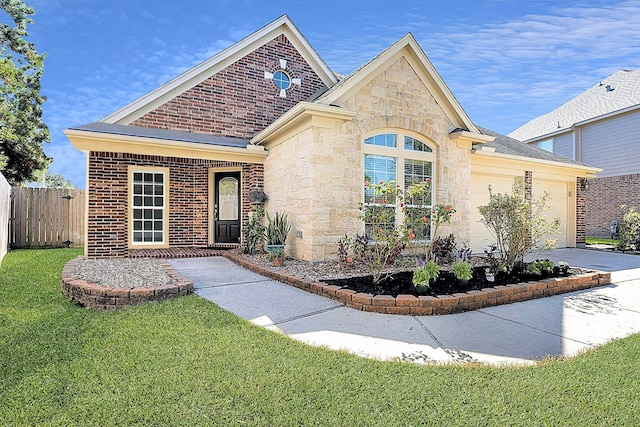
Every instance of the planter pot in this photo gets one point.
(422, 289)
(273, 248)
(464, 284)
(278, 262)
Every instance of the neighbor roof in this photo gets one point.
(163, 134)
(618, 92)
(506, 145)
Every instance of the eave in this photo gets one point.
(88, 141)
(314, 114)
(472, 137)
(588, 171)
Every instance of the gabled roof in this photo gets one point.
(617, 93)
(503, 144)
(408, 47)
(211, 66)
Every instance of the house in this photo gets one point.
(599, 127)
(174, 168)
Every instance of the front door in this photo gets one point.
(227, 207)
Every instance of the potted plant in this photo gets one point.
(276, 256)
(276, 231)
(462, 271)
(424, 276)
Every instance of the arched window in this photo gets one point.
(408, 163)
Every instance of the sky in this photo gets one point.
(506, 61)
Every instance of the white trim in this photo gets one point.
(218, 62)
(587, 169)
(299, 112)
(165, 171)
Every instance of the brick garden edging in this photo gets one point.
(429, 305)
(99, 297)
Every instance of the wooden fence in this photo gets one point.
(46, 218)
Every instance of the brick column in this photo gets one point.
(581, 212)
(528, 196)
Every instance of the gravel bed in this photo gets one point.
(147, 272)
(123, 272)
(325, 270)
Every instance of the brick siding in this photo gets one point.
(581, 212)
(188, 199)
(603, 199)
(238, 101)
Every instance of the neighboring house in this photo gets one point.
(174, 168)
(599, 127)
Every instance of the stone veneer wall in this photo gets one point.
(323, 199)
(397, 98)
(318, 185)
(238, 101)
(188, 199)
(603, 198)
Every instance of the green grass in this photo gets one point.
(187, 362)
(601, 241)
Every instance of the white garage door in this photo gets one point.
(558, 203)
(480, 236)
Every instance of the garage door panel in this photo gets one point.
(558, 205)
(481, 237)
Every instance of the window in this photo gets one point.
(148, 207)
(384, 140)
(415, 145)
(418, 209)
(377, 169)
(547, 145)
(282, 80)
(382, 158)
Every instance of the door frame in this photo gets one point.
(212, 199)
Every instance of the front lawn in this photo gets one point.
(601, 241)
(187, 362)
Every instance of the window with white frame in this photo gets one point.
(148, 207)
(408, 163)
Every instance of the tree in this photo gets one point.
(22, 130)
(46, 179)
(519, 225)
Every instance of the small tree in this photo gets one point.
(383, 240)
(517, 224)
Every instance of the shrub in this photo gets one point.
(254, 230)
(461, 269)
(519, 225)
(426, 273)
(444, 248)
(277, 229)
(630, 229)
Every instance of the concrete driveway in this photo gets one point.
(521, 333)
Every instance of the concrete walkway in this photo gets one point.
(520, 333)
